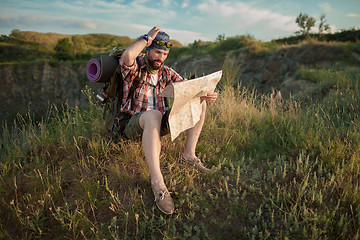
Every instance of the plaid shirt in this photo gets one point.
(139, 101)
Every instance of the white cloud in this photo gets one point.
(280, 22)
(21, 21)
(226, 9)
(353, 15)
(185, 4)
(185, 37)
(29, 21)
(326, 7)
(165, 3)
(244, 15)
(79, 24)
(140, 27)
(3, 17)
(333, 28)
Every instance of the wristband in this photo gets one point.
(147, 38)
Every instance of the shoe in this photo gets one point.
(196, 162)
(164, 201)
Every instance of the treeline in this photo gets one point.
(24, 46)
(351, 35)
(27, 46)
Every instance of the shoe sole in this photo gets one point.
(167, 213)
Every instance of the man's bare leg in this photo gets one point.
(193, 135)
(150, 122)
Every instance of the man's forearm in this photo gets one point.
(135, 48)
(133, 51)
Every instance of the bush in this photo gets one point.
(64, 49)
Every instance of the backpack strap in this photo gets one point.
(138, 81)
(118, 97)
(164, 78)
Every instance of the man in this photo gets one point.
(148, 109)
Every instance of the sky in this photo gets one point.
(184, 20)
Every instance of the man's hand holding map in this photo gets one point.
(186, 109)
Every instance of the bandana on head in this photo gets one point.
(161, 36)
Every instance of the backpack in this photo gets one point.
(107, 70)
(112, 93)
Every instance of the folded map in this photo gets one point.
(186, 108)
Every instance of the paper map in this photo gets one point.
(186, 109)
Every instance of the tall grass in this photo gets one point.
(281, 170)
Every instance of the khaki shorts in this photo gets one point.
(133, 131)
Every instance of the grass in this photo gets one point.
(282, 170)
(221, 48)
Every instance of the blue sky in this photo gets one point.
(185, 20)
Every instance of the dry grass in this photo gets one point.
(281, 171)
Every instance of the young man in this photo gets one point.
(148, 110)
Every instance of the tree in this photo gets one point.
(64, 49)
(196, 43)
(322, 26)
(305, 23)
(220, 37)
(113, 44)
(15, 32)
(79, 45)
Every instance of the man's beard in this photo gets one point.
(153, 65)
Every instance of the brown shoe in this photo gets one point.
(196, 162)
(164, 201)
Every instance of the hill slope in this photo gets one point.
(22, 46)
(281, 170)
(38, 84)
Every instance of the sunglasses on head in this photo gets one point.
(163, 43)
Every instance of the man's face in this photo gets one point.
(156, 58)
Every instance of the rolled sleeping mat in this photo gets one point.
(101, 69)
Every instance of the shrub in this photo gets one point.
(64, 49)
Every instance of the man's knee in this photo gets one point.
(150, 118)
